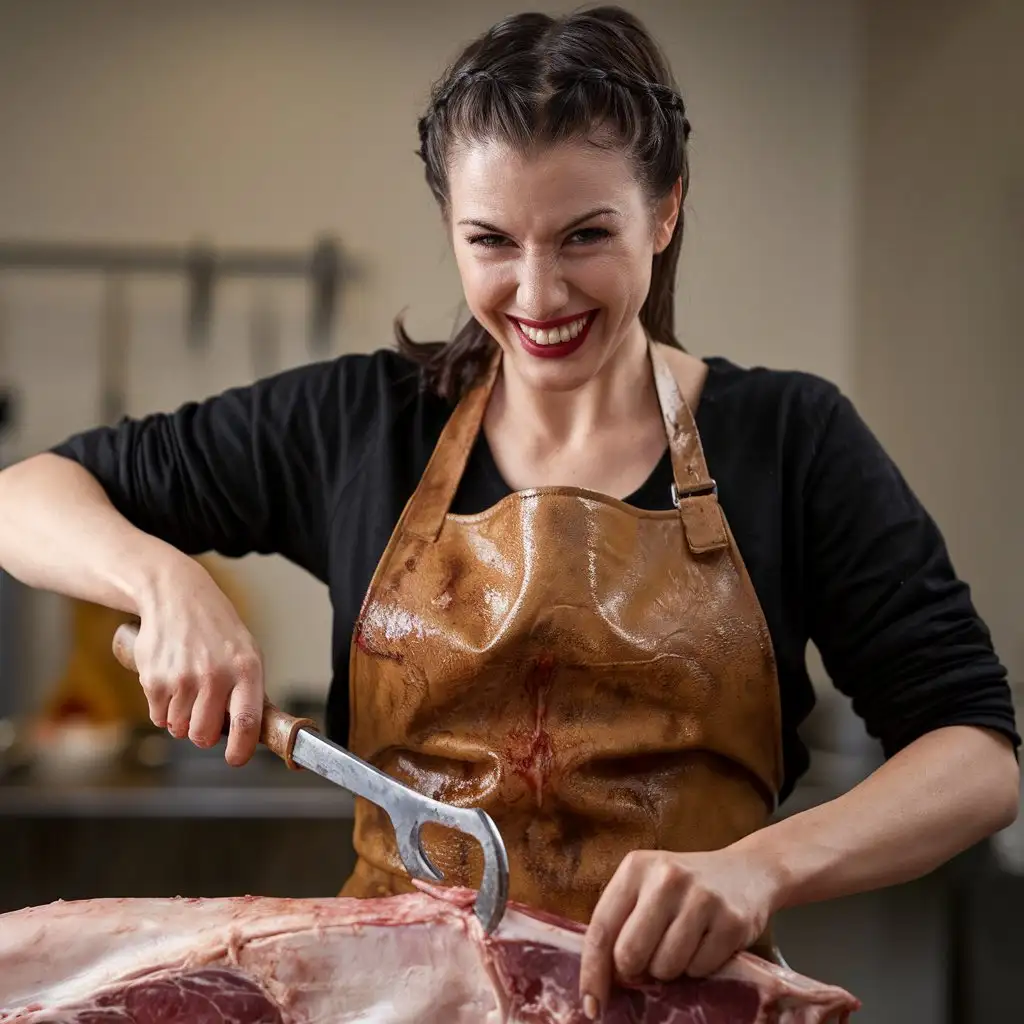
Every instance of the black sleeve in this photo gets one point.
(896, 628)
(254, 469)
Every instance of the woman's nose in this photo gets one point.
(543, 292)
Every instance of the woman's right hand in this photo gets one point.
(196, 660)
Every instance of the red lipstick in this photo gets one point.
(560, 349)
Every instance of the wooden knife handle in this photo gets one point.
(277, 727)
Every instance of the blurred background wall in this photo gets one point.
(857, 211)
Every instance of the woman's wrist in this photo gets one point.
(158, 575)
(786, 862)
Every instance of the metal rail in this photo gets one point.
(324, 265)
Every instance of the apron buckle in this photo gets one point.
(711, 487)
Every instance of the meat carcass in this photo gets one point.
(420, 958)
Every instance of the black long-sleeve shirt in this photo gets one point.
(316, 464)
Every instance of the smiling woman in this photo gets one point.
(574, 569)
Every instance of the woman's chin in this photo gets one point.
(553, 375)
(553, 371)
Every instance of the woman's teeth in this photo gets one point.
(553, 335)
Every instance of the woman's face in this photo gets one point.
(554, 250)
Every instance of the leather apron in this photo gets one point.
(597, 677)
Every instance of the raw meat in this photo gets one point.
(419, 958)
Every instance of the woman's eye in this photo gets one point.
(586, 235)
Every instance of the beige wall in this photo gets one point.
(264, 123)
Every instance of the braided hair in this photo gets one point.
(536, 80)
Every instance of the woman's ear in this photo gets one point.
(666, 215)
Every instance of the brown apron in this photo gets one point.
(597, 677)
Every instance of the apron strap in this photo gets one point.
(694, 492)
(429, 504)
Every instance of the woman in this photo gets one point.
(573, 568)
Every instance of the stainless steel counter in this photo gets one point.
(201, 786)
(208, 789)
(174, 800)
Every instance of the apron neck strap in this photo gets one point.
(425, 512)
(689, 468)
(431, 500)
(694, 493)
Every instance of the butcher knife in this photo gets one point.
(300, 745)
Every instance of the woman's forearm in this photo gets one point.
(60, 532)
(940, 795)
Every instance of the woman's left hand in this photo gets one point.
(666, 914)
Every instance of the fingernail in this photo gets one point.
(590, 1007)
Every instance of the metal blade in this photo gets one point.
(409, 811)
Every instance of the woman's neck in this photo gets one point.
(621, 394)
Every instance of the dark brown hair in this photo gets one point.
(533, 80)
